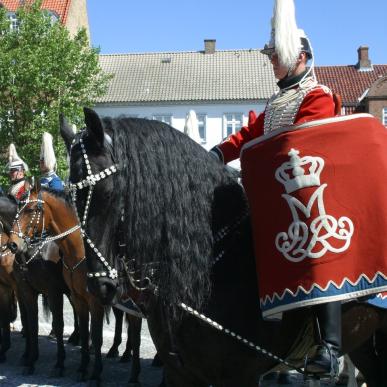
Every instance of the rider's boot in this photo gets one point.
(325, 359)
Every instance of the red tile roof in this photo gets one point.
(61, 7)
(348, 81)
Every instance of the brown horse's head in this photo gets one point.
(7, 258)
(30, 219)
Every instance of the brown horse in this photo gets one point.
(190, 237)
(31, 278)
(8, 308)
(54, 210)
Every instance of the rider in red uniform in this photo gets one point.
(300, 99)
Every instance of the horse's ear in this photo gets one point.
(94, 126)
(66, 131)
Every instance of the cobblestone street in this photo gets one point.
(115, 374)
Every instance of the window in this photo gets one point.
(53, 16)
(202, 122)
(13, 20)
(166, 118)
(384, 116)
(232, 123)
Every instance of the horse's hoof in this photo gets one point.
(57, 372)
(112, 353)
(126, 357)
(29, 370)
(73, 339)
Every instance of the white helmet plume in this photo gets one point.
(191, 127)
(287, 36)
(47, 154)
(14, 161)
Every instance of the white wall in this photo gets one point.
(215, 115)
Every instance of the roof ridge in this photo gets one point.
(178, 52)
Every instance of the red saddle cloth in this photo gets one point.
(317, 195)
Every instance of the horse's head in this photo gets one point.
(92, 165)
(7, 258)
(29, 219)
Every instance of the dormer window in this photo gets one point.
(14, 26)
(53, 16)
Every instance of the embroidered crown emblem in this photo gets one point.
(299, 172)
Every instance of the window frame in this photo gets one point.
(203, 139)
(13, 21)
(384, 116)
(236, 124)
(162, 118)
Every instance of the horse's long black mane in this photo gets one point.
(171, 189)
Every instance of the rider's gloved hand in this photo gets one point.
(216, 154)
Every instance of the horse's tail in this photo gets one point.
(46, 307)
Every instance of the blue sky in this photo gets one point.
(336, 28)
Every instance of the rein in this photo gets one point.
(43, 240)
(89, 182)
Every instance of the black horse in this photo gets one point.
(188, 242)
(37, 277)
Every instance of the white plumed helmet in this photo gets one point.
(14, 161)
(47, 154)
(287, 40)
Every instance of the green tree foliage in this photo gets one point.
(43, 71)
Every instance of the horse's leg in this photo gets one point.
(381, 351)
(97, 315)
(127, 355)
(55, 299)
(367, 361)
(30, 299)
(119, 316)
(25, 328)
(82, 310)
(74, 337)
(134, 336)
(5, 339)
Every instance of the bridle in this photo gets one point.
(34, 223)
(89, 182)
(4, 251)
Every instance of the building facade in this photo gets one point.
(71, 13)
(222, 86)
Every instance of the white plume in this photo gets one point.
(191, 127)
(14, 159)
(287, 35)
(47, 153)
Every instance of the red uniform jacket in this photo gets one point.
(317, 104)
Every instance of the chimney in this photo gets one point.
(209, 46)
(364, 63)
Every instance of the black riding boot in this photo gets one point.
(328, 321)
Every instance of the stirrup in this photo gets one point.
(333, 374)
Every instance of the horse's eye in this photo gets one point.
(29, 210)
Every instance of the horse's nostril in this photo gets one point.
(13, 247)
